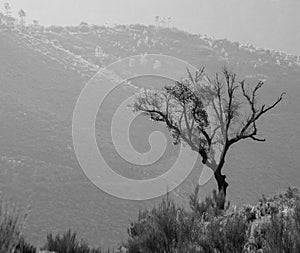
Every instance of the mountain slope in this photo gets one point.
(42, 72)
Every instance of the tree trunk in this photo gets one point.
(222, 186)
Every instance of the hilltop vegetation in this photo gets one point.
(270, 226)
(43, 70)
(273, 225)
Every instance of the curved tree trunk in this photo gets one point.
(220, 178)
(222, 186)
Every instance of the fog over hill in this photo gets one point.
(42, 72)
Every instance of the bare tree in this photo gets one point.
(210, 115)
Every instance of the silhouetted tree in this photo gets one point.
(184, 107)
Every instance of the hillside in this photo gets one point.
(42, 73)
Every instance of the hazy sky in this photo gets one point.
(264, 23)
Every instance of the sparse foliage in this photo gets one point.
(233, 115)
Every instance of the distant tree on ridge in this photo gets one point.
(22, 16)
(7, 9)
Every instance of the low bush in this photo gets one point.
(24, 247)
(69, 243)
(168, 228)
(225, 234)
(210, 207)
(271, 226)
(281, 232)
(158, 230)
(11, 224)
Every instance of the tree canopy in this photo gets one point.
(208, 114)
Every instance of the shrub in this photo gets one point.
(280, 234)
(226, 234)
(68, 243)
(158, 230)
(168, 228)
(11, 223)
(211, 206)
(24, 247)
(275, 235)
